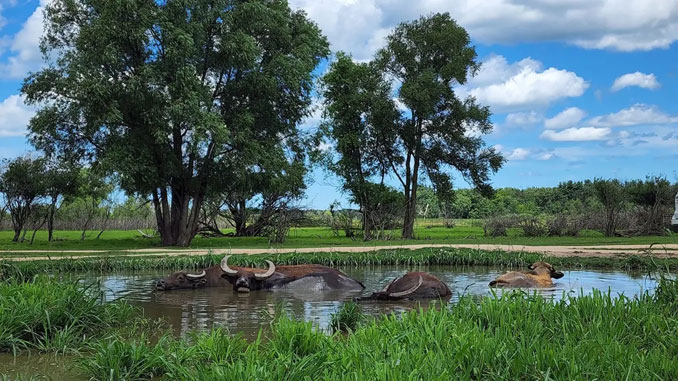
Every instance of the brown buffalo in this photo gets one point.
(540, 275)
(245, 279)
(414, 285)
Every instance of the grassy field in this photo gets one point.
(116, 240)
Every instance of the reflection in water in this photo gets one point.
(188, 310)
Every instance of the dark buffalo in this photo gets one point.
(540, 275)
(245, 279)
(414, 285)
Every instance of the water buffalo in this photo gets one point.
(413, 285)
(540, 275)
(316, 277)
(245, 279)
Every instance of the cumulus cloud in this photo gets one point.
(14, 116)
(577, 134)
(523, 119)
(521, 85)
(359, 26)
(646, 81)
(518, 154)
(566, 118)
(635, 115)
(25, 55)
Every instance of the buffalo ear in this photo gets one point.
(530, 267)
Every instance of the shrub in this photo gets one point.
(498, 226)
(532, 226)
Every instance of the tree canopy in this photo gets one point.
(174, 97)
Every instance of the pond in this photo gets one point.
(202, 309)
(188, 310)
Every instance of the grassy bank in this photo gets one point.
(439, 256)
(50, 316)
(316, 237)
(510, 337)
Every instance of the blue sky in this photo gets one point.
(578, 88)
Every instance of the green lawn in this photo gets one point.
(116, 240)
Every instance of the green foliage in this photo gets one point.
(22, 182)
(349, 317)
(48, 315)
(514, 336)
(175, 97)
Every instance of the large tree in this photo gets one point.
(360, 120)
(438, 131)
(171, 95)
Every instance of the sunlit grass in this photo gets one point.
(513, 336)
(117, 240)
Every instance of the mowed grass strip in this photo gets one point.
(119, 240)
(514, 336)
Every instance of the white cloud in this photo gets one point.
(523, 119)
(646, 81)
(518, 154)
(634, 115)
(522, 85)
(359, 26)
(14, 116)
(565, 119)
(546, 156)
(25, 47)
(576, 134)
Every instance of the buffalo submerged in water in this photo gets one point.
(413, 285)
(540, 275)
(245, 279)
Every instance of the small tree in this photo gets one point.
(611, 195)
(61, 180)
(437, 131)
(23, 183)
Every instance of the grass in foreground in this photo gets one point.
(51, 316)
(118, 240)
(515, 336)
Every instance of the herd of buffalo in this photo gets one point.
(413, 285)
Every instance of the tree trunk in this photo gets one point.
(177, 224)
(103, 227)
(50, 220)
(411, 202)
(17, 234)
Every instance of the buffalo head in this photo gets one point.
(246, 280)
(543, 268)
(181, 280)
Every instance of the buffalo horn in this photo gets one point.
(225, 268)
(267, 274)
(196, 276)
(407, 292)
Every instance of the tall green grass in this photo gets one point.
(48, 316)
(438, 256)
(513, 336)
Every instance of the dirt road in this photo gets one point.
(663, 251)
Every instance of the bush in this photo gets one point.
(562, 225)
(532, 226)
(498, 226)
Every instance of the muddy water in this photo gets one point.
(190, 310)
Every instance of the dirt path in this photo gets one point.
(662, 251)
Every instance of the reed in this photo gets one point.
(439, 256)
(51, 316)
(513, 336)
